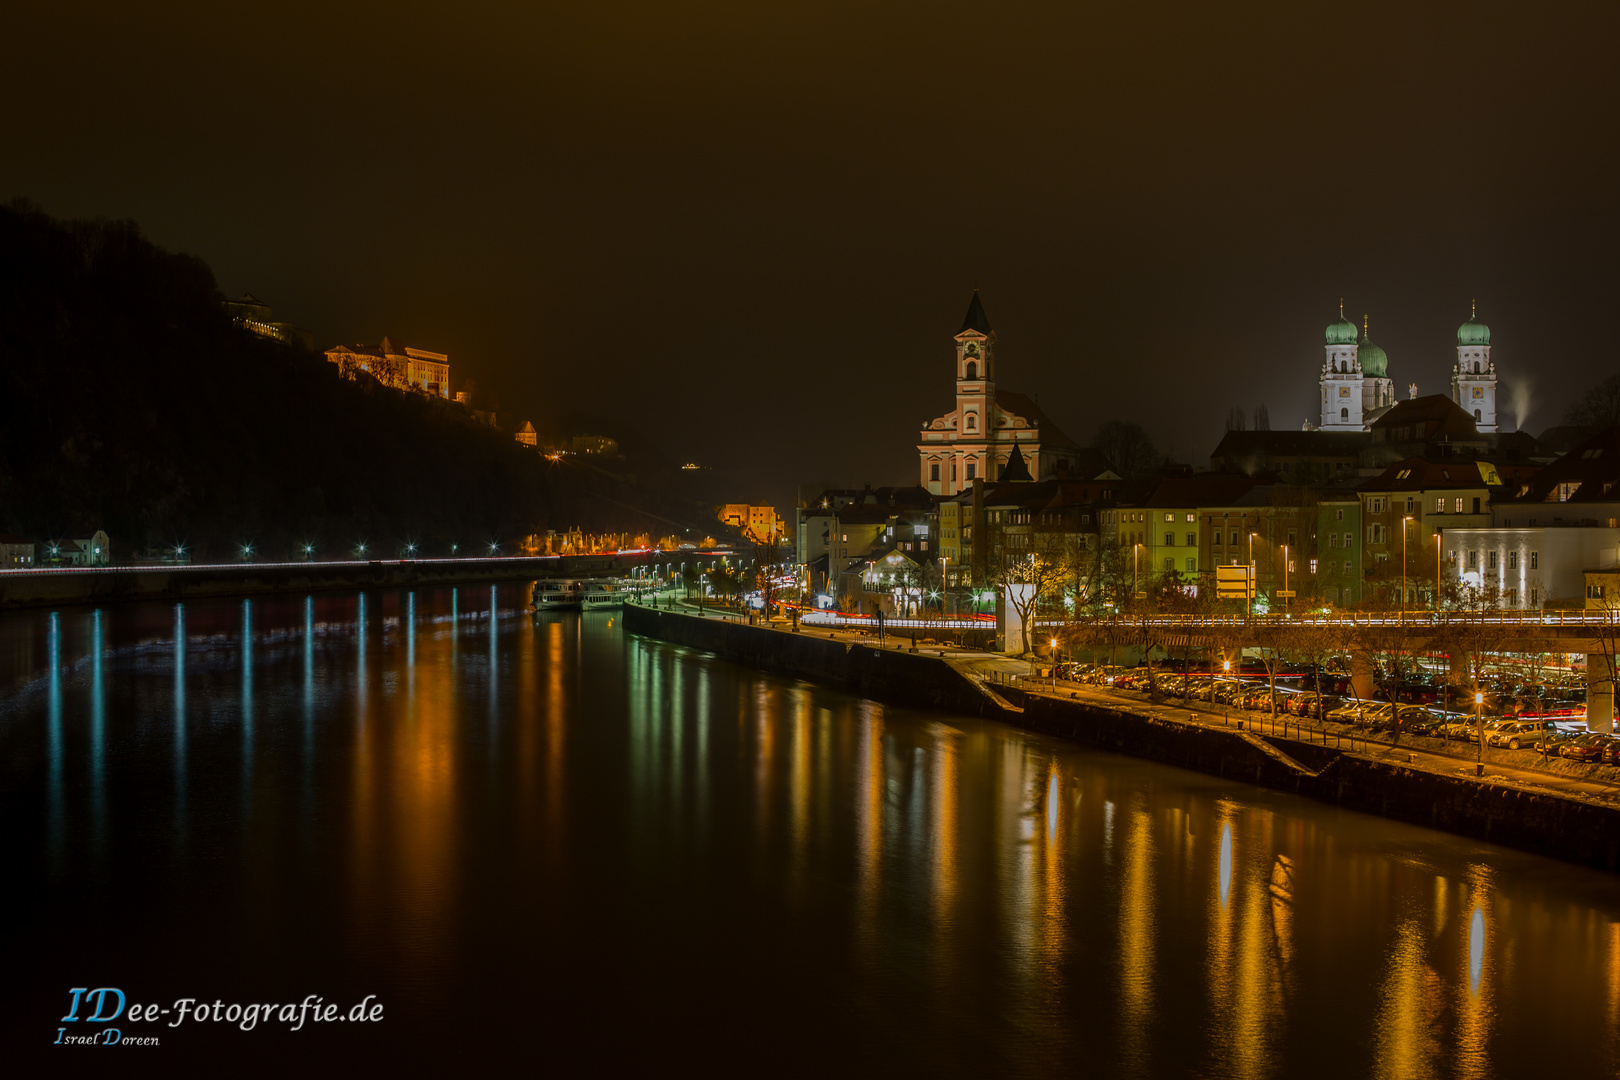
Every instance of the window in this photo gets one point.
(1473, 560)
(972, 370)
(1291, 538)
(1476, 504)
(933, 472)
(1333, 540)
(1192, 539)
(1440, 505)
(1192, 566)
(1338, 515)
(1348, 537)
(1459, 506)
(1344, 414)
(1513, 560)
(1234, 537)
(1409, 504)
(1491, 560)
(972, 422)
(1594, 592)
(1313, 566)
(1535, 560)
(1293, 567)
(1169, 517)
(972, 468)
(1169, 539)
(953, 472)
(1192, 519)
(1375, 534)
(1169, 566)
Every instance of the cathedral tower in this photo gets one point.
(1473, 379)
(1342, 379)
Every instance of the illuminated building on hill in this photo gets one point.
(395, 365)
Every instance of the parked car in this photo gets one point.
(1516, 734)
(1430, 724)
(1552, 743)
(1587, 747)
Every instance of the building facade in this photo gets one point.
(395, 365)
(1473, 377)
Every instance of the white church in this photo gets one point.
(1357, 389)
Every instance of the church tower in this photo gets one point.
(1473, 379)
(1342, 379)
(976, 372)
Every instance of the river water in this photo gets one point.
(545, 842)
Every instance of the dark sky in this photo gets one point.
(751, 229)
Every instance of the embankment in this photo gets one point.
(1572, 829)
(896, 677)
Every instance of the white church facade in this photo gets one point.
(1356, 388)
(991, 434)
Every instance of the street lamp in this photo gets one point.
(1286, 594)
(1226, 712)
(309, 551)
(1248, 600)
(1437, 571)
(1479, 729)
(1404, 522)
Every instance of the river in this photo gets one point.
(545, 842)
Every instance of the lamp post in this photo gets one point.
(1404, 522)
(1286, 594)
(1479, 730)
(1134, 559)
(1437, 572)
(945, 584)
(1248, 599)
(1226, 711)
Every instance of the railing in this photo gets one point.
(1416, 619)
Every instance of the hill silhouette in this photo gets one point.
(129, 400)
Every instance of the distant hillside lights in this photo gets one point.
(395, 365)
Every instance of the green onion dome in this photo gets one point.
(1473, 332)
(1342, 332)
(1374, 361)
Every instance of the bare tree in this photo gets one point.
(1262, 418)
(1127, 447)
(1027, 576)
(1597, 408)
(1234, 419)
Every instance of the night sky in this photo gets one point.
(751, 229)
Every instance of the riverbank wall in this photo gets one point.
(1544, 822)
(888, 675)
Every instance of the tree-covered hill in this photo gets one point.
(129, 400)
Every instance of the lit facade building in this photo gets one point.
(527, 435)
(976, 438)
(253, 314)
(395, 365)
(758, 524)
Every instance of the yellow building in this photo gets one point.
(526, 435)
(759, 524)
(396, 365)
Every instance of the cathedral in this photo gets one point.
(1357, 389)
(993, 434)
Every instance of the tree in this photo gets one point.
(1234, 418)
(1027, 575)
(1262, 418)
(1597, 408)
(1126, 447)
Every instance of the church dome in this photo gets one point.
(1342, 332)
(1374, 361)
(1473, 332)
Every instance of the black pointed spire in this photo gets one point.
(1015, 471)
(976, 319)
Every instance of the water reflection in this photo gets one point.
(98, 740)
(247, 700)
(181, 769)
(562, 806)
(56, 813)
